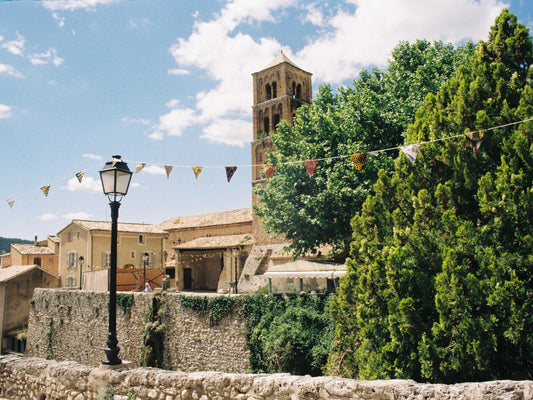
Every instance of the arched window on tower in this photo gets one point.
(274, 90)
(266, 125)
(293, 89)
(268, 90)
(299, 91)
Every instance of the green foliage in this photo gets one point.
(291, 334)
(372, 115)
(106, 392)
(216, 307)
(153, 338)
(439, 284)
(125, 301)
(5, 243)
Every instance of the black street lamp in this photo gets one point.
(115, 178)
(80, 262)
(145, 262)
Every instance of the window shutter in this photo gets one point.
(152, 259)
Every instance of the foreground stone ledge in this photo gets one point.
(36, 378)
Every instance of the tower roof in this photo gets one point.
(282, 58)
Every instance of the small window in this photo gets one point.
(69, 236)
(142, 239)
(77, 235)
(37, 261)
(106, 259)
(132, 254)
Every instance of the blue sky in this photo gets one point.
(168, 82)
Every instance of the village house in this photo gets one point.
(207, 251)
(16, 290)
(85, 255)
(44, 253)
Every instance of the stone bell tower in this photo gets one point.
(279, 89)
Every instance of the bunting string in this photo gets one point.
(475, 139)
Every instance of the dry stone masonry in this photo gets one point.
(38, 379)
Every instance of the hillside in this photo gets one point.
(5, 243)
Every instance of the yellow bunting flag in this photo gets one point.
(268, 169)
(358, 160)
(45, 189)
(197, 171)
(139, 167)
(79, 175)
(11, 202)
(168, 170)
(475, 139)
(310, 166)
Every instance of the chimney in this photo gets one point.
(35, 241)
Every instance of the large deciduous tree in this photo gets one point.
(439, 284)
(371, 115)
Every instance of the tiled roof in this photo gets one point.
(9, 273)
(213, 242)
(28, 249)
(242, 215)
(122, 226)
(280, 59)
(54, 238)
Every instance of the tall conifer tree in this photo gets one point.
(439, 281)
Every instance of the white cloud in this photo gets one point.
(367, 36)
(45, 58)
(47, 217)
(141, 121)
(74, 4)
(228, 131)
(87, 185)
(15, 46)
(60, 20)
(10, 70)
(5, 111)
(178, 71)
(92, 156)
(154, 170)
(313, 15)
(174, 123)
(77, 215)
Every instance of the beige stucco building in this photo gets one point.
(92, 241)
(16, 289)
(43, 253)
(208, 251)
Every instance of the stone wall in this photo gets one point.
(38, 379)
(72, 325)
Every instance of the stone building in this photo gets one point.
(91, 240)
(17, 284)
(207, 251)
(279, 90)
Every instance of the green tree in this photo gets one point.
(371, 115)
(439, 280)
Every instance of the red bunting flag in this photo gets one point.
(475, 139)
(168, 170)
(197, 171)
(268, 169)
(310, 166)
(230, 171)
(358, 160)
(45, 189)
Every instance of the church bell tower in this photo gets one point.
(279, 89)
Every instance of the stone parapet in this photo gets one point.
(36, 379)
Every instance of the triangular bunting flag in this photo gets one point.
(197, 171)
(229, 172)
(11, 202)
(411, 151)
(358, 160)
(79, 175)
(139, 167)
(45, 189)
(268, 169)
(310, 166)
(475, 139)
(168, 169)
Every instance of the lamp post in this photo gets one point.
(145, 257)
(115, 178)
(80, 262)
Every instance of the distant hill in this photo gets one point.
(5, 243)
